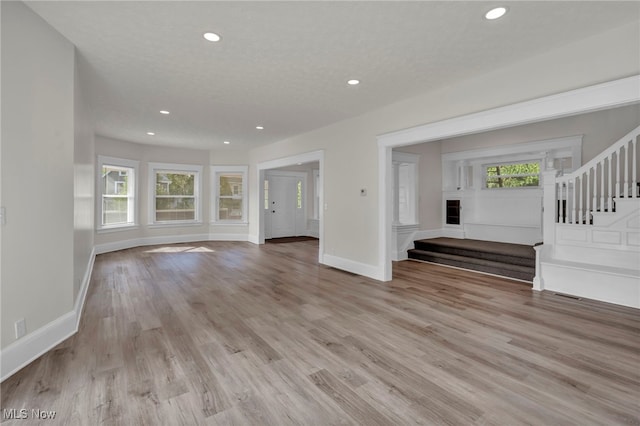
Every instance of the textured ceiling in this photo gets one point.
(284, 65)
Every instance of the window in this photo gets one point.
(229, 185)
(513, 175)
(299, 194)
(175, 193)
(405, 181)
(117, 189)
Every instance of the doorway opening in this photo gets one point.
(291, 200)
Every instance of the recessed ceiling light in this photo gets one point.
(353, 82)
(211, 36)
(226, 142)
(151, 133)
(495, 13)
(165, 112)
(260, 127)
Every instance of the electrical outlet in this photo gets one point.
(21, 328)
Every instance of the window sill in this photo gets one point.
(110, 229)
(228, 223)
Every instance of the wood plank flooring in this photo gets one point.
(220, 333)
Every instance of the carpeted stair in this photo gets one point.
(509, 260)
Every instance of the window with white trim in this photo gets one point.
(229, 198)
(175, 193)
(512, 175)
(117, 189)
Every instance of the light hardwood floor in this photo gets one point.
(233, 333)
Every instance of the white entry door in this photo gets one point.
(285, 209)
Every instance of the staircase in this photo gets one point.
(509, 260)
(591, 228)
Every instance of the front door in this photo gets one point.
(282, 212)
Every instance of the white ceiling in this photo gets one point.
(285, 64)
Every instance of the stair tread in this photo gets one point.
(474, 260)
(504, 249)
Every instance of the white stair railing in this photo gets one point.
(595, 186)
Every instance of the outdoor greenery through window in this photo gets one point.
(230, 196)
(175, 196)
(514, 175)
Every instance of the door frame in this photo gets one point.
(285, 173)
(598, 97)
(308, 157)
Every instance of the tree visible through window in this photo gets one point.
(175, 196)
(230, 196)
(515, 175)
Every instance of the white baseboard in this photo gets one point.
(84, 288)
(23, 351)
(611, 285)
(228, 237)
(27, 349)
(425, 234)
(371, 271)
(253, 239)
(168, 239)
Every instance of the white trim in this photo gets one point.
(23, 351)
(307, 157)
(84, 288)
(27, 349)
(149, 241)
(569, 143)
(371, 271)
(611, 94)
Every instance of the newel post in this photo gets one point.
(549, 214)
(549, 206)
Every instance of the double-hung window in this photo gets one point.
(117, 189)
(229, 198)
(175, 193)
(513, 175)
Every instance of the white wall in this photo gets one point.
(600, 130)
(37, 171)
(429, 185)
(351, 157)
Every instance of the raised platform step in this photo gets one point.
(509, 260)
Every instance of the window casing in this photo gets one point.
(229, 198)
(523, 174)
(117, 188)
(174, 194)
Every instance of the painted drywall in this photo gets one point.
(84, 185)
(600, 130)
(37, 171)
(429, 184)
(146, 154)
(351, 159)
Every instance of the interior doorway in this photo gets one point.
(297, 181)
(285, 204)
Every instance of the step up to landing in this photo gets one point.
(505, 259)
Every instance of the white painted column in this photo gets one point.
(396, 193)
